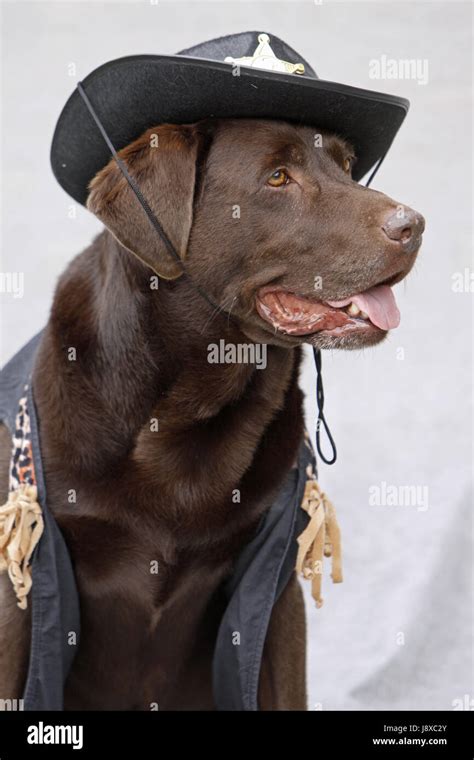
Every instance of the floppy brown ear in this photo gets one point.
(163, 163)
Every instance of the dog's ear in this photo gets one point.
(163, 163)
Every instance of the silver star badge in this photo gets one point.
(265, 58)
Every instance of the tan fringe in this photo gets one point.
(21, 526)
(321, 537)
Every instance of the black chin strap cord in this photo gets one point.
(123, 168)
(143, 201)
(321, 422)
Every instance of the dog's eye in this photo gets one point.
(278, 178)
(348, 164)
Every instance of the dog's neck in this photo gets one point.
(123, 380)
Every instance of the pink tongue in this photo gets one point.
(378, 303)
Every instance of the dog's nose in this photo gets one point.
(405, 226)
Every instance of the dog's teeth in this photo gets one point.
(353, 310)
(363, 315)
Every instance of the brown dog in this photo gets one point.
(260, 215)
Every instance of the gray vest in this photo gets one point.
(260, 574)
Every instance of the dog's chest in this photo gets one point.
(148, 626)
(150, 587)
(152, 545)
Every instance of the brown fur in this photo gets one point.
(141, 355)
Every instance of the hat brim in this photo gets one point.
(135, 93)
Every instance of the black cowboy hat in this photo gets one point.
(247, 75)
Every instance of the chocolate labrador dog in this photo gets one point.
(293, 251)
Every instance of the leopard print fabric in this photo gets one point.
(22, 468)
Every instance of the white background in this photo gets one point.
(403, 421)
